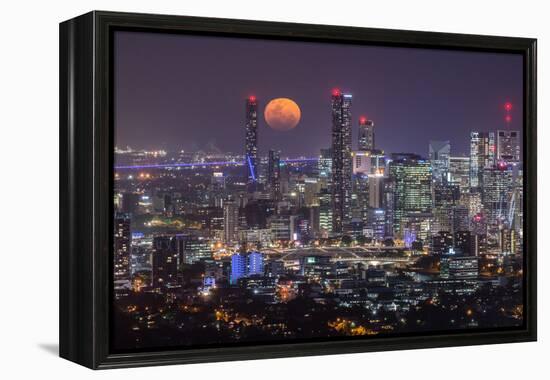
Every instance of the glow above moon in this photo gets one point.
(282, 114)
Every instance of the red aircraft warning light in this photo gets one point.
(362, 120)
(508, 109)
(336, 92)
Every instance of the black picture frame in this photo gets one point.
(86, 184)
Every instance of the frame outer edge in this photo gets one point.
(76, 334)
(84, 179)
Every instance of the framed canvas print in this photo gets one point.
(240, 190)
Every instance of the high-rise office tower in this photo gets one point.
(251, 142)
(165, 263)
(460, 217)
(497, 195)
(439, 153)
(312, 186)
(274, 174)
(376, 187)
(508, 242)
(516, 203)
(366, 134)
(508, 147)
(230, 222)
(360, 196)
(376, 222)
(325, 211)
(217, 182)
(459, 172)
(441, 242)
(446, 196)
(122, 249)
(342, 165)
(482, 155)
(192, 249)
(412, 176)
(280, 227)
(463, 242)
(324, 166)
(388, 204)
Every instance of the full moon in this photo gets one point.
(282, 114)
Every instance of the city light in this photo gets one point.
(202, 164)
(350, 241)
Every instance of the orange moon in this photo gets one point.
(282, 114)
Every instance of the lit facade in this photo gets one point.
(192, 249)
(251, 141)
(238, 267)
(482, 155)
(366, 135)
(230, 222)
(439, 153)
(122, 248)
(342, 166)
(459, 172)
(412, 177)
(165, 263)
(508, 146)
(274, 174)
(497, 194)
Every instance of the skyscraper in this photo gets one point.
(251, 142)
(459, 172)
(274, 174)
(123, 239)
(482, 155)
(192, 249)
(165, 263)
(325, 167)
(412, 176)
(325, 212)
(376, 186)
(342, 166)
(366, 134)
(388, 204)
(508, 149)
(230, 222)
(439, 155)
(446, 196)
(497, 194)
(376, 222)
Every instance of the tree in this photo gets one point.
(362, 240)
(346, 240)
(417, 245)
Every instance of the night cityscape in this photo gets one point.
(342, 234)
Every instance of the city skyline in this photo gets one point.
(457, 92)
(281, 240)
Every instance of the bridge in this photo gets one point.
(369, 255)
(194, 165)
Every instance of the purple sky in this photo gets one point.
(188, 92)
